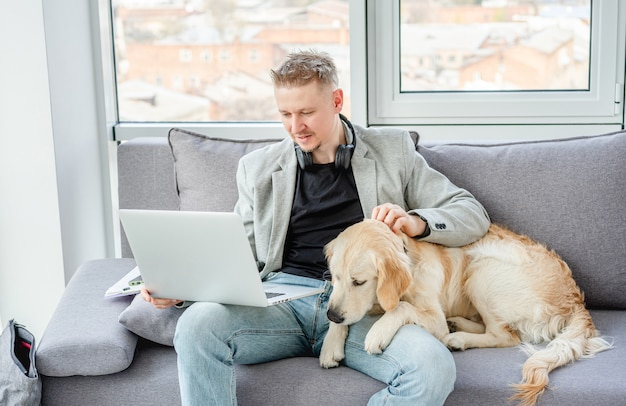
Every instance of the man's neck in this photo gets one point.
(327, 153)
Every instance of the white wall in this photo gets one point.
(54, 190)
(79, 141)
(31, 262)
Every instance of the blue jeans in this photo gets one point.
(210, 338)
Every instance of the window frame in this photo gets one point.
(601, 104)
(365, 96)
(123, 131)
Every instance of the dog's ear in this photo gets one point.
(393, 280)
(328, 250)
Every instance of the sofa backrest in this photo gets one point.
(568, 194)
(186, 171)
(145, 178)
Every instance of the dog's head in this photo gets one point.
(369, 269)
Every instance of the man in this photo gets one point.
(294, 197)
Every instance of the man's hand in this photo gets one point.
(158, 302)
(399, 220)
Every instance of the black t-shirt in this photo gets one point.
(325, 203)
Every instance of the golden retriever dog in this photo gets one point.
(501, 291)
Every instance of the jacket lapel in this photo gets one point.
(364, 170)
(284, 186)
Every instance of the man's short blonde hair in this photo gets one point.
(303, 67)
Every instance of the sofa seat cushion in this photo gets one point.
(568, 194)
(152, 379)
(483, 378)
(484, 375)
(83, 336)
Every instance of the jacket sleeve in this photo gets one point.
(454, 216)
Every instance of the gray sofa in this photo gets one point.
(569, 194)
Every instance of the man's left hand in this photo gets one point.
(399, 220)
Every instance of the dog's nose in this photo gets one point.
(334, 316)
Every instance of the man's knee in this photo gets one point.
(196, 323)
(429, 356)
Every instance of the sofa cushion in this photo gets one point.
(568, 194)
(205, 168)
(83, 336)
(157, 325)
(484, 375)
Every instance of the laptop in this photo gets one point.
(202, 257)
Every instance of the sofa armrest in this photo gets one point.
(83, 336)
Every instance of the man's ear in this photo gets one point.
(393, 281)
(338, 100)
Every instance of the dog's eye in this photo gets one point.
(357, 283)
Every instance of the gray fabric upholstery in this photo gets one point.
(146, 178)
(569, 194)
(205, 165)
(145, 175)
(152, 380)
(157, 325)
(83, 336)
(300, 382)
(484, 375)
(532, 187)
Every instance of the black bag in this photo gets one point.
(19, 382)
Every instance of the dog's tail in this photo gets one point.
(579, 339)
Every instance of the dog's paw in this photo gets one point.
(329, 357)
(333, 346)
(377, 340)
(458, 324)
(455, 341)
(451, 326)
(375, 346)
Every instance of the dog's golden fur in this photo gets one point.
(501, 291)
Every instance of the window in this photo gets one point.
(186, 55)
(208, 61)
(417, 63)
(495, 62)
(206, 56)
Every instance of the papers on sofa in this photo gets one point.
(130, 284)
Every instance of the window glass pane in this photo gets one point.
(206, 60)
(494, 45)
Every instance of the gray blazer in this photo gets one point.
(386, 168)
